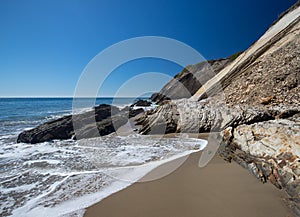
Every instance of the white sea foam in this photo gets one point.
(41, 163)
(122, 106)
(146, 108)
(20, 188)
(7, 136)
(64, 177)
(125, 177)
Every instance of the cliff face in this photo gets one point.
(189, 80)
(272, 62)
(273, 78)
(272, 48)
(255, 103)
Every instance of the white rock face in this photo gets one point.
(266, 42)
(278, 140)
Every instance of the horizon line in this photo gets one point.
(73, 96)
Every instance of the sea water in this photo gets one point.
(62, 178)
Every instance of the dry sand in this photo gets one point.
(219, 189)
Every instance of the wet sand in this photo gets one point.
(219, 189)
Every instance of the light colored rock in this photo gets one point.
(281, 32)
(270, 149)
(270, 138)
(187, 116)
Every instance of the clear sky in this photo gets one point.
(45, 44)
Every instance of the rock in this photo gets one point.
(59, 129)
(107, 118)
(256, 137)
(132, 112)
(294, 188)
(278, 139)
(274, 149)
(164, 120)
(103, 127)
(189, 80)
(259, 117)
(254, 170)
(266, 100)
(135, 112)
(275, 73)
(227, 135)
(190, 116)
(158, 97)
(141, 102)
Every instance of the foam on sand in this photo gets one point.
(62, 178)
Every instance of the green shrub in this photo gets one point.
(234, 56)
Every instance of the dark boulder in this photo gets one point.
(101, 120)
(141, 102)
(132, 112)
(61, 128)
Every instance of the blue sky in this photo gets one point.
(46, 44)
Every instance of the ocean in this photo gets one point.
(62, 178)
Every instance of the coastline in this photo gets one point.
(219, 189)
(138, 156)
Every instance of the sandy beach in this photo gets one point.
(219, 189)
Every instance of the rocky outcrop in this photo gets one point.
(190, 79)
(255, 103)
(188, 116)
(270, 150)
(163, 120)
(278, 70)
(107, 119)
(278, 36)
(265, 140)
(141, 102)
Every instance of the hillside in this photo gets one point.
(190, 79)
(284, 32)
(254, 102)
(273, 78)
